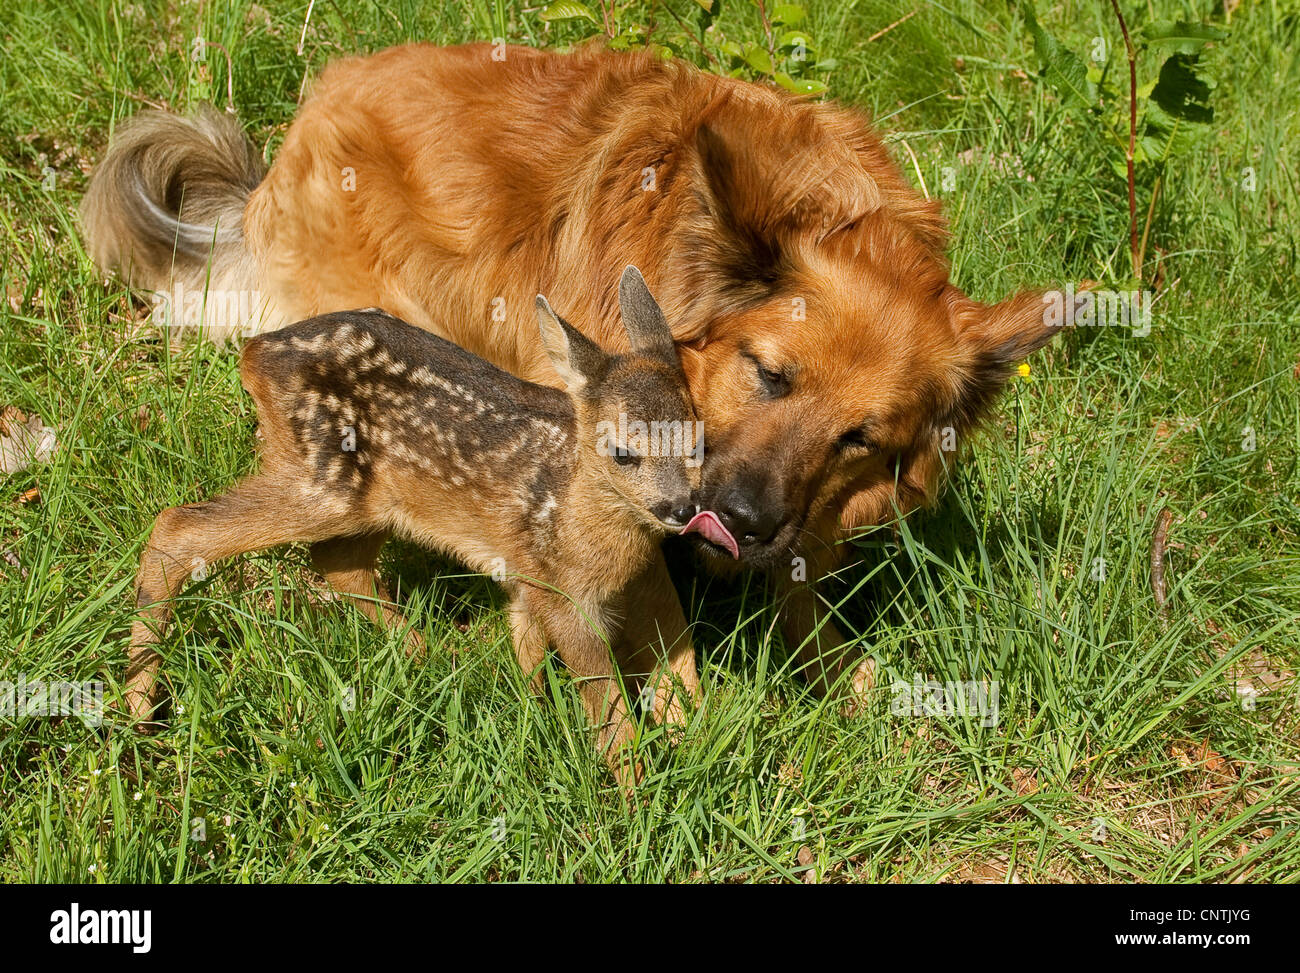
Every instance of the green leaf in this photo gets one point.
(1155, 149)
(567, 10)
(1164, 136)
(631, 38)
(1062, 68)
(758, 59)
(795, 38)
(707, 5)
(1178, 110)
(732, 50)
(1183, 93)
(1183, 36)
(800, 86)
(788, 14)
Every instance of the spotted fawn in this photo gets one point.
(371, 428)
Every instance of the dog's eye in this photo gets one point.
(856, 439)
(774, 381)
(627, 457)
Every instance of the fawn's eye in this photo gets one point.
(856, 440)
(624, 456)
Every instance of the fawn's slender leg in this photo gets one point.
(257, 514)
(588, 658)
(655, 644)
(529, 640)
(348, 564)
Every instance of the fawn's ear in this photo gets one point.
(646, 326)
(577, 360)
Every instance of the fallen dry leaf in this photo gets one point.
(11, 559)
(1212, 759)
(1026, 781)
(24, 440)
(805, 859)
(1189, 755)
(996, 872)
(1253, 675)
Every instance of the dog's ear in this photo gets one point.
(737, 236)
(997, 338)
(994, 340)
(577, 360)
(810, 179)
(758, 197)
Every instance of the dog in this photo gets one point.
(826, 350)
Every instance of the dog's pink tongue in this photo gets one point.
(707, 523)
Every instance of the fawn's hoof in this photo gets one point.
(674, 716)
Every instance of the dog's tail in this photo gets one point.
(165, 210)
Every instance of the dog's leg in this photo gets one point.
(348, 564)
(187, 540)
(825, 656)
(655, 648)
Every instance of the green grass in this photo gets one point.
(1123, 750)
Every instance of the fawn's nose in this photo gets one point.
(748, 521)
(675, 513)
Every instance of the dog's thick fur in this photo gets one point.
(825, 347)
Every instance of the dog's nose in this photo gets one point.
(748, 523)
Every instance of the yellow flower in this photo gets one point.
(1023, 370)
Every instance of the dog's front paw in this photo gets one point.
(858, 686)
(671, 705)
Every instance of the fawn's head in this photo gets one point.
(635, 421)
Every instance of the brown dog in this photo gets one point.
(827, 353)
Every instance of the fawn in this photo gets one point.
(371, 427)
